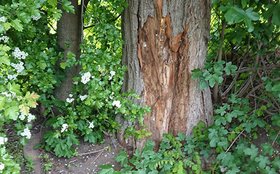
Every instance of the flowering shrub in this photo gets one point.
(31, 70)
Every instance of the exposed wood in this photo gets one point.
(164, 41)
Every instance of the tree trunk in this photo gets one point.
(163, 42)
(69, 34)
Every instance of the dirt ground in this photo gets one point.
(88, 160)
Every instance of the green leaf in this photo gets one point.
(67, 6)
(196, 73)
(276, 15)
(12, 112)
(63, 65)
(230, 69)
(252, 15)
(106, 169)
(16, 24)
(4, 60)
(234, 15)
(252, 152)
(2, 102)
(263, 161)
(122, 158)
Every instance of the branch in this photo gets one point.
(112, 20)
(92, 152)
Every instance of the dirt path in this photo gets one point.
(88, 160)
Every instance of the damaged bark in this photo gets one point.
(163, 42)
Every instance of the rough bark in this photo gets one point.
(69, 39)
(164, 40)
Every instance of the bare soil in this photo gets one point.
(87, 161)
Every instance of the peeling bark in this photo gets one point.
(164, 41)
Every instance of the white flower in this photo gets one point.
(3, 140)
(26, 133)
(117, 103)
(91, 125)
(6, 94)
(21, 116)
(36, 18)
(64, 127)
(83, 97)
(111, 96)
(2, 166)
(3, 19)
(19, 54)
(18, 66)
(30, 117)
(5, 39)
(86, 77)
(112, 73)
(69, 100)
(12, 77)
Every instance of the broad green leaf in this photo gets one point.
(16, 24)
(252, 15)
(235, 15)
(276, 15)
(252, 152)
(263, 161)
(12, 112)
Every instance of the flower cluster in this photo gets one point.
(64, 127)
(8, 94)
(2, 166)
(86, 77)
(3, 140)
(70, 99)
(19, 54)
(12, 77)
(112, 74)
(83, 97)
(18, 66)
(3, 19)
(4, 39)
(91, 125)
(117, 103)
(26, 133)
(30, 117)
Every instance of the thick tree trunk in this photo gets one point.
(69, 39)
(163, 42)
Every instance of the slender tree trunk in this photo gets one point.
(69, 35)
(164, 40)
